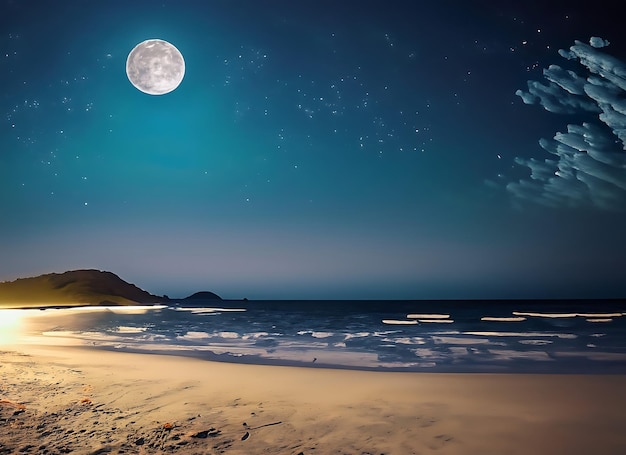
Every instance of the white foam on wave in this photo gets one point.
(568, 315)
(535, 342)
(427, 316)
(299, 345)
(463, 340)
(601, 315)
(545, 315)
(429, 354)
(452, 353)
(125, 329)
(436, 321)
(194, 336)
(399, 322)
(386, 332)
(203, 310)
(599, 320)
(349, 336)
(254, 336)
(509, 354)
(503, 319)
(459, 351)
(569, 336)
(405, 340)
(315, 334)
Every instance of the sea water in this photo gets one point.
(424, 336)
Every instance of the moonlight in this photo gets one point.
(155, 67)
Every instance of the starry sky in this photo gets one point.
(319, 149)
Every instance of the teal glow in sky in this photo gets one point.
(313, 150)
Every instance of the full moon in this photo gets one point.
(155, 67)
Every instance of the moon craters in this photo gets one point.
(155, 67)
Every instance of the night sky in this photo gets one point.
(319, 149)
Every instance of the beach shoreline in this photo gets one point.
(57, 399)
(552, 342)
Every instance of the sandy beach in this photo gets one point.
(87, 401)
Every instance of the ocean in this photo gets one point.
(410, 336)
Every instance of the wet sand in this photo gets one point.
(87, 401)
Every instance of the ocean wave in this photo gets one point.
(503, 319)
(203, 310)
(315, 334)
(568, 315)
(570, 336)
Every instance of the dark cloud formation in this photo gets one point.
(588, 167)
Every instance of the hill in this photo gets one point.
(77, 287)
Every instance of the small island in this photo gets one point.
(203, 295)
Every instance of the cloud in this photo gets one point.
(598, 42)
(588, 163)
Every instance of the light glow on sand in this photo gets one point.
(134, 309)
(10, 325)
(122, 309)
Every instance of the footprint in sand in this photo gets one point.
(425, 422)
(440, 441)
